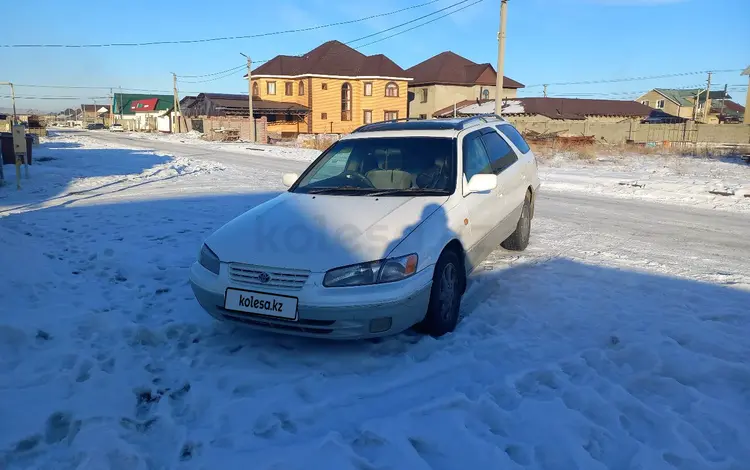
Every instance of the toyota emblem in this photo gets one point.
(264, 277)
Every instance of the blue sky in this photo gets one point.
(549, 41)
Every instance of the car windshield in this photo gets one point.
(383, 166)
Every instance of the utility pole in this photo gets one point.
(545, 91)
(747, 97)
(707, 106)
(12, 99)
(175, 106)
(250, 97)
(111, 106)
(723, 98)
(695, 106)
(500, 58)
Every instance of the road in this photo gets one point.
(698, 243)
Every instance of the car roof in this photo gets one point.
(409, 124)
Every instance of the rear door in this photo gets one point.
(511, 189)
(525, 156)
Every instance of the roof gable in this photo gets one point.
(332, 58)
(449, 68)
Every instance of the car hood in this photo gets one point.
(320, 232)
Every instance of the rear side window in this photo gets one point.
(514, 136)
(476, 160)
(501, 155)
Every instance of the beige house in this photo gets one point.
(448, 78)
(679, 102)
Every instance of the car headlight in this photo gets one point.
(373, 272)
(209, 260)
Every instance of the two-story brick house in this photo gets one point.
(341, 87)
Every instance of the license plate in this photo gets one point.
(260, 303)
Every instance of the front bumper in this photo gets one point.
(339, 313)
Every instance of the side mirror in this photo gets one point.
(289, 179)
(482, 183)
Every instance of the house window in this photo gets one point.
(368, 88)
(425, 92)
(645, 103)
(324, 116)
(271, 88)
(422, 116)
(367, 118)
(346, 102)
(324, 86)
(390, 115)
(301, 88)
(660, 104)
(485, 94)
(256, 92)
(289, 88)
(391, 89)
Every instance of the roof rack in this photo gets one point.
(480, 119)
(433, 124)
(365, 126)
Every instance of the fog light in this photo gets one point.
(380, 325)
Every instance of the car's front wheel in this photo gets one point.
(445, 296)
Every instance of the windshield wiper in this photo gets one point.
(355, 189)
(410, 192)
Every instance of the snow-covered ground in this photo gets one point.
(193, 138)
(711, 182)
(619, 340)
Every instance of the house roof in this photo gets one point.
(144, 106)
(449, 68)
(121, 102)
(686, 97)
(90, 108)
(238, 104)
(729, 108)
(553, 108)
(332, 58)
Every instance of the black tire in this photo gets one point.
(445, 296)
(519, 239)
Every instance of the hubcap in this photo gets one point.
(448, 286)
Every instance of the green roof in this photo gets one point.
(686, 97)
(125, 99)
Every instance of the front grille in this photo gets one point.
(249, 275)
(315, 326)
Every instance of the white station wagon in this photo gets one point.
(377, 235)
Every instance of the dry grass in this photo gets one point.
(591, 153)
(318, 143)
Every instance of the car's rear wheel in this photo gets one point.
(519, 239)
(445, 296)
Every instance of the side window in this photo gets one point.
(501, 155)
(475, 157)
(514, 136)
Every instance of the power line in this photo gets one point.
(233, 70)
(420, 25)
(215, 73)
(413, 21)
(57, 97)
(632, 79)
(224, 38)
